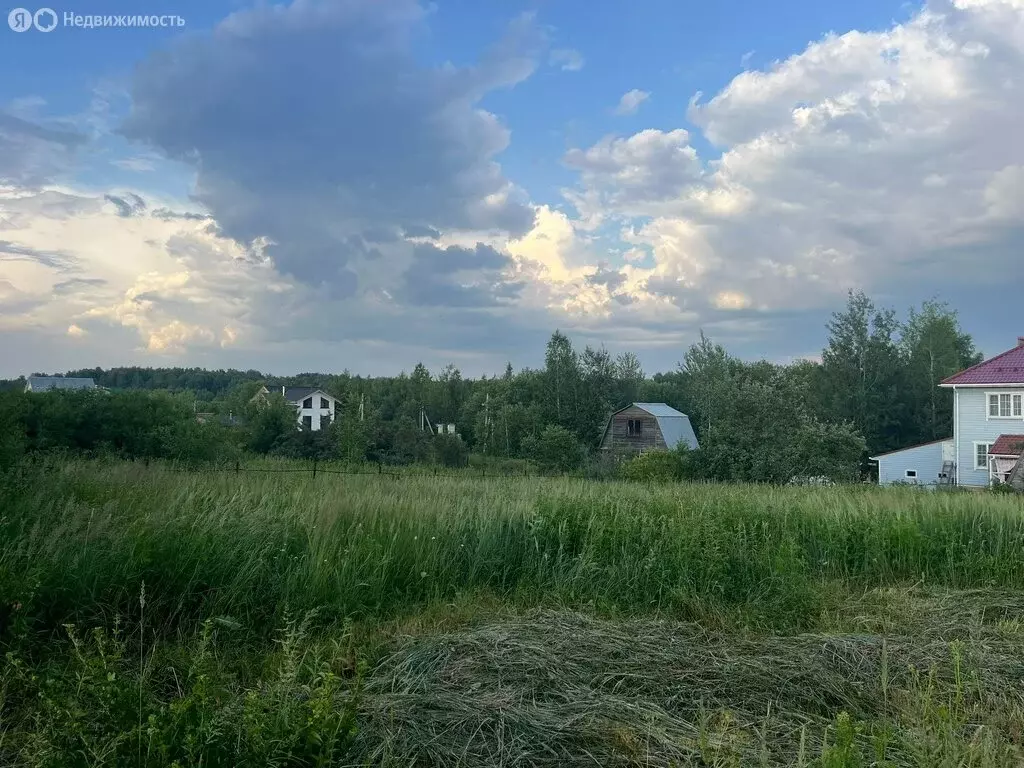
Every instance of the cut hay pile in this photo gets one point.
(562, 689)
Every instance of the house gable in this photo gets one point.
(632, 429)
(647, 426)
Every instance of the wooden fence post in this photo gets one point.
(314, 467)
(238, 468)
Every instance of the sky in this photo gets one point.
(329, 185)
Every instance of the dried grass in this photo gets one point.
(563, 689)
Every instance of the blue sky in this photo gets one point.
(358, 184)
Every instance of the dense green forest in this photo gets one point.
(874, 390)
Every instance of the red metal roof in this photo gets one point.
(1007, 445)
(1006, 368)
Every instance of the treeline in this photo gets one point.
(873, 390)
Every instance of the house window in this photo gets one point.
(635, 427)
(1005, 405)
(307, 422)
(324, 403)
(911, 474)
(307, 403)
(981, 455)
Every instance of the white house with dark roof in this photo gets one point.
(988, 429)
(315, 409)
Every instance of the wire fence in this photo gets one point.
(314, 467)
(35, 462)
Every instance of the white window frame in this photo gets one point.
(1014, 400)
(988, 455)
(910, 474)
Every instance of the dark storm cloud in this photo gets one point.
(312, 123)
(167, 215)
(419, 230)
(127, 205)
(457, 277)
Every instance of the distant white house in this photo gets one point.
(315, 409)
(988, 430)
(49, 383)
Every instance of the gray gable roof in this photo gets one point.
(297, 394)
(46, 383)
(675, 426)
(294, 394)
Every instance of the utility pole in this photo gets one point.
(487, 421)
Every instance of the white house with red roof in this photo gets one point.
(988, 429)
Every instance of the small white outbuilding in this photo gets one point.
(928, 464)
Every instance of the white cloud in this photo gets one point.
(731, 300)
(75, 262)
(886, 160)
(568, 59)
(631, 101)
(632, 175)
(1004, 194)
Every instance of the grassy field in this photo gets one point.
(157, 618)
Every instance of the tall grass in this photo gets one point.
(78, 539)
(294, 621)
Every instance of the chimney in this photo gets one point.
(1020, 341)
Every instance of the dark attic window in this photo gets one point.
(636, 427)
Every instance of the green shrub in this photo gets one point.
(13, 409)
(556, 449)
(106, 703)
(193, 443)
(653, 466)
(450, 451)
